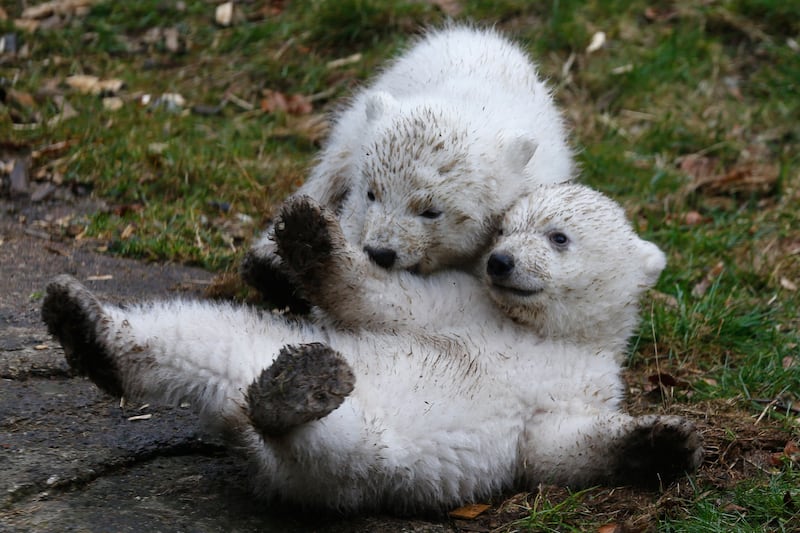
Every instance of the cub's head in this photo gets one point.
(567, 262)
(426, 185)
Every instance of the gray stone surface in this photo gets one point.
(71, 458)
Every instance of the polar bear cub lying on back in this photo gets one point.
(394, 415)
(422, 162)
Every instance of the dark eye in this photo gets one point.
(431, 213)
(558, 238)
(500, 232)
(371, 196)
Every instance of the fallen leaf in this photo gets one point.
(732, 507)
(613, 527)
(788, 362)
(659, 14)
(598, 41)
(469, 512)
(223, 15)
(293, 104)
(667, 299)
(21, 98)
(87, 84)
(112, 103)
(343, 61)
(698, 167)
(788, 284)
(693, 218)
(127, 233)
(700, 289)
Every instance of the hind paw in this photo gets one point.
(73, 315)
(307, 235)
(658, 450)
(304, 383)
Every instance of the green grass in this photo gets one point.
(720, 79)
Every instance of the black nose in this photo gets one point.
(500, 265)
(384, 257)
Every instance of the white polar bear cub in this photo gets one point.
(423, 161)
(400, 417)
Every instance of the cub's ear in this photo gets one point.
(378, 104)
(653, 261)
(517, 149)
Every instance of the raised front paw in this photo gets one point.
(658, 450)
(74, 316)
(305, 382)
(307, 234)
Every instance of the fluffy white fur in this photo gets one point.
(421, 163)
(434, 419)
(585, 289)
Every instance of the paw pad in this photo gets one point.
(305, 383)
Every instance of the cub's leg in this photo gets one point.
(164, 352)
(612, 448)
(77, 319)
(306, 382)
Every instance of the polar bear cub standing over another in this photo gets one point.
(422, 162)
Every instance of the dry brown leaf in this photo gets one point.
(613, 527)
(667, 299)
(746, 178)
(693, 218)
(787, 362)
(64, 8)
(21, 98)
(469, 512)
(788, 284)
(293, 104)
(87, 84)
(700, 289)
(659, 14)
(127, 233)
(699, 167)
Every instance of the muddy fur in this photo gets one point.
(421, 163)
(449, 404)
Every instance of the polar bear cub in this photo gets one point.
(422, 162)
(564, 262)
(398, 416)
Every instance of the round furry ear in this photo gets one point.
(653, 261)
(518, 150)
(378, 104)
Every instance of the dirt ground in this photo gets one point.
(72, 459)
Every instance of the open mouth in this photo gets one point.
(515, 290)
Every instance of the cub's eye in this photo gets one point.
(558, 238)
(370, 196)
(500, 232)
(431, 213)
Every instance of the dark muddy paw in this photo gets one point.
(658, 451)
(307, 235)
(305, 383)
(73, 315)
(277, 286)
